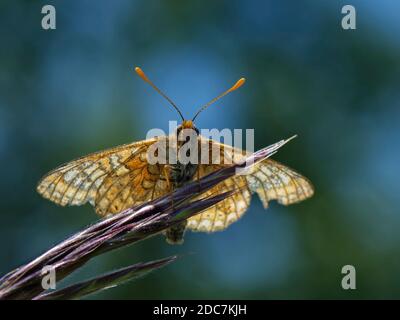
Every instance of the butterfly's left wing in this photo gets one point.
(110, 180)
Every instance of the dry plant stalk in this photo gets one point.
(125, 228)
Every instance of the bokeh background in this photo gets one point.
(71, 91)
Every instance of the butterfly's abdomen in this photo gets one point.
(174, 234)
(182, 173)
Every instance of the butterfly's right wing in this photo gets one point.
(270, 179)
(225, 212)
(229, 210)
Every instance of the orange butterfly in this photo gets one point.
(118, 178)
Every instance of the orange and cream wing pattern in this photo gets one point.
(272, 180)
(269, 179)
(118, 178)
(99, 178)
(225, 212)
(136, 183)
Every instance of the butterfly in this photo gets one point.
(121, 177)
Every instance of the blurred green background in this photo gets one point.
(71, 91)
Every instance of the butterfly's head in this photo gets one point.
(188, 124)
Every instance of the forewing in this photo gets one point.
(78, 181)
(274, 181)
(269, 179)
(136, 183)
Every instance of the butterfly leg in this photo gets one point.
(198, 179)
(167, 178)
(169, 184)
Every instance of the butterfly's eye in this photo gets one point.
(178, 130)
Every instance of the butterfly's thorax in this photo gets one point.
(182, 173)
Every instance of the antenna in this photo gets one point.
(144, 77)
(237, 85)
